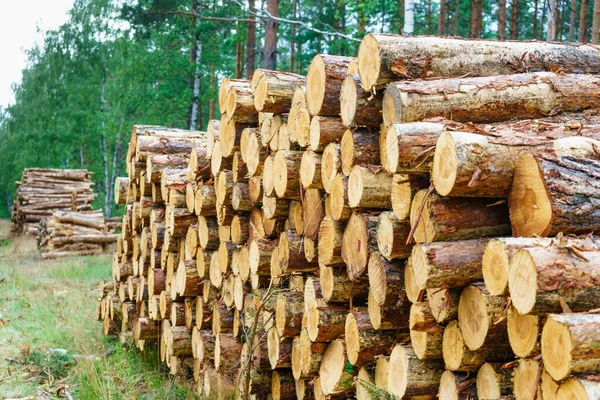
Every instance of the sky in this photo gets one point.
(19, 22)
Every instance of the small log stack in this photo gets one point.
(72, 233)
(323, 240)
(41, 192)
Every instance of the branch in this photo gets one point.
(266, 14)
(199, 16)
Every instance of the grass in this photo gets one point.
(49, 341)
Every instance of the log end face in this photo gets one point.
(525, 379)
(377, 278)
(494, 266)
(388, 149)
(448, 388)
(369, 63)
(453, 347)
(411, 287)
(314, 133)
(352, 338)
(522, 281)
(347, 152)
(398, 365)
(572, 389)
(355, 246)
(556, 349)
(522, 333)
(385, 235)
(420, 267)
(487, 383)
(401, 196)
(337, 197)
(348, 100)
(374, 310)
(529, 205)
(473, 318)
(362, 384)
(391, 115)
(260, 92)
(445, 164)
(332, 366)
(355, 187)
(315, 85)
(307, 169)
(419, 216)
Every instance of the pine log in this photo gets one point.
(408, 148)
(543, 279)
(456, 385)
(579, 388)
(340, 209)
(458, 357)
(336, 287)
(325, 323)
(334, 376)
(392, 235)
(283, 386)
(291, 255)
(298, 124)
(330, 242)
(358, 242)
(426, 343)
(310, 170)
(289, 310)
(313, 212)
(385, 58)
(296, 217)
(387, 317)
(523, 333)
(363, 342)
(325, 130)
(368, 188)
(306, 356)
(273, 90)
(455, 218)
(551, 195)
(444, 303)
(255, 192)
(569, 345)
(239, 103)
(526, 379)
(490, 99)
(482, 317)
(494, 382)
(330, 165)
(359, 107)
(409, 376)
(359, 147)
(447, 264)
(121, 188)
(286, 168)
(279, 350)
(386, 281)
(323, 84)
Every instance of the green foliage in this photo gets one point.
(376, 393)
(116, 63)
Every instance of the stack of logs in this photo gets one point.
(72, 233)
(43, 191)
(347, 234)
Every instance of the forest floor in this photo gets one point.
(50, 344)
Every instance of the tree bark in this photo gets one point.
(271, 27)
(514, 20)
(583, 21)
(323, 84)
(502, 20)
(551, 32)
(251, 41)
(596, 23)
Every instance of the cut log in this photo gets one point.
(456, 385)
(369, 189)
(323, 84)
(523, 333)
(569, 345)
(579, 388)
(490, 99)
(310, 170)
(330, 242)
(409, 376)
(296, 217)
(260, 256)
(334, 376)
(363, 342)
(325, 323)
(458, 357)
(291, 254)
(427, 344)
(212, 135)
(444, 303)
(313, 211)
(359, 107)
(336, 287)
(205, 201)
(289, 310)
(325, 130)
(469, 164)
(392, 235)
(359, 147)
(386, 281)
(404, 188)
(239, 103)
(273, 90)
(364, 380)
(387, 317)
(543, 279)
(275, 208)
(413, 292)
(493, 383)
(482, 317)
(286, 168)
(255, 190)
(340, 210)
(457, 218)
(551, 195)
(382, 367)
(526, 379)
(447, 264)
(330, 165)
(283, 386)
(359, 240)
(279, 350)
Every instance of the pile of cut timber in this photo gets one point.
(43, 191)
(72, 233)
(346, 234)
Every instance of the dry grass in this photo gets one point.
(49, 340)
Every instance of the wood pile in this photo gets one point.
(41, 192)
(72, 233)
(349, 235)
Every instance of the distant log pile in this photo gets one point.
(72, 233)
(342, 235)
(41, 192)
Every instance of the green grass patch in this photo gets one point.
(50, 342)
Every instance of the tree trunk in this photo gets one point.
(392, 234)
(596, 23)
(551, 32)
(409, 18)
(476, 18)
(408, 376)
(502, 20)
(535, 19)
(359, 147)
(583, 21)
(271, 27)
(490, 99)
(442, 18)
(514, 20)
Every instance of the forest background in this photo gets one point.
(116, 63)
